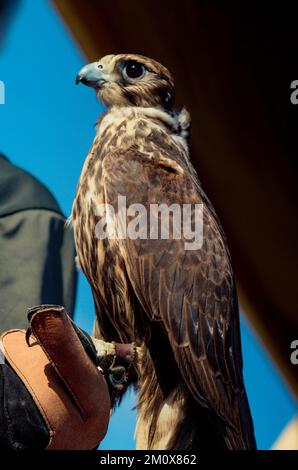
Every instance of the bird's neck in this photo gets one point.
(132, 119)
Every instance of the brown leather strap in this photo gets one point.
(68, 389)
(126, 352)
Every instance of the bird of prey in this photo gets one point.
(179, 305)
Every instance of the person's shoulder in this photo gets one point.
(19, 190)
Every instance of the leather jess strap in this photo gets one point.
(69, 390)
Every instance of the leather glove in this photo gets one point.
(56, 383)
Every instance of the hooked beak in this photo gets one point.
(91, 75)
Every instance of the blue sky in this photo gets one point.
(46, 127)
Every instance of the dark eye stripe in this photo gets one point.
(130, 96)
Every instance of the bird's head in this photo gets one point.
(129, 80)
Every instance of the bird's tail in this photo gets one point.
(242, 437)
(202, 429)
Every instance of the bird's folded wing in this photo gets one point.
(191, 291)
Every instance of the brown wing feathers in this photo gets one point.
(192, 293)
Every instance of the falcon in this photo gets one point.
(178, 305)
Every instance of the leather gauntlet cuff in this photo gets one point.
(61, 378)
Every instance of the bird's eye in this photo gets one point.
(133, 69)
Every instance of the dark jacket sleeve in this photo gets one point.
(36, 249)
